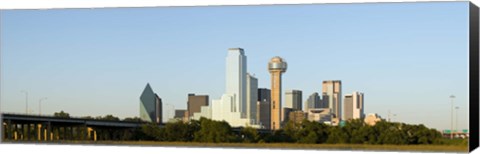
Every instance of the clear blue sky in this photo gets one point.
(406, 57)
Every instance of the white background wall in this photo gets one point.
(41, 148)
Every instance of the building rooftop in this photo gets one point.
(327, 81)
(235, 48)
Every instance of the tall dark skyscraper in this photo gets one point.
(263, 107)
(264, 94)
(150, 106)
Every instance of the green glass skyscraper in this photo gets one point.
(150, 106)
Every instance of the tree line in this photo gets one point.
(353, 132)
(107, 117)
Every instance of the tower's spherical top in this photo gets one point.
(277, 64)
(277, 59)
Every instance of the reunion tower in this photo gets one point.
(276, 67)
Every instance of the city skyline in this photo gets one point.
(66, 64)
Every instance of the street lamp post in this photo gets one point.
(451, 125)
(40, 105)
(26, 101)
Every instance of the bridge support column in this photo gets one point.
(84, 132)
(72, 137)
(29, 130)
(34, 131)
(64, 133)
(49, 131)
(39, 131)
(67, 133)
(25, 130)
(4, 131)
(94, 135)
(21, 132)
(9, 129)
(88, 133)
(52, 133)
(33, 136)
(15, 134)
(27, 134)
(44, 134)
(55, 133)
(58, 133)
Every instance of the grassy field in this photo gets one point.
(361, 147)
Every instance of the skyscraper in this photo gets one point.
(348, 107)
(150, 106)
(232, 106)
(333, 90)
(324, 101)
(353, 106)
(264, 94)
(277, 66)
(252, 97)
(293, 99)
(195, 102)
(236, 74)
(263, 107)
(313, 102)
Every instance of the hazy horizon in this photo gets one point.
(405, 57)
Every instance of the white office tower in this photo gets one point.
(353, 106)
(236, 74)
(332, 95)
(252, 96)
(232, 106)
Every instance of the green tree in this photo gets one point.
(87, 117)
(279, 136)
(151, 131)
(177, 131)
(108, 117)
(290, 131)
(61, 114)
(336, 135)
(249, 135)
(357, 131)
(134, 119)
(320, 129)
(214, 131)
(392, 133)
